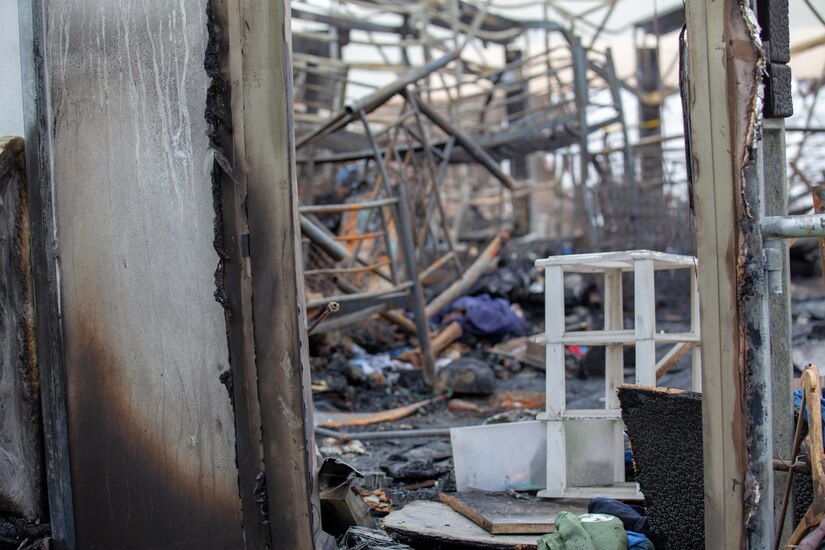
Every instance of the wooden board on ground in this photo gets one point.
(500, 513)
(436, 523)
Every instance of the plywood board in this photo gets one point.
(500, 513)
(437, 523)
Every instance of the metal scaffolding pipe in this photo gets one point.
(345, 207)
(388, 293)
(377, 98)
(472, 148)
(793, 227)
(374, 100)
(318, 237)
(407, 244)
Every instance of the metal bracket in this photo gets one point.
(772, 261)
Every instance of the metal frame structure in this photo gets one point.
(407, 137)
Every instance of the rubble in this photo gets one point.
(341, 508)
(407, 258)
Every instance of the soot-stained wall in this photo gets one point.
(151, 431)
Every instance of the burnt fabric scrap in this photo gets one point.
(485, 316)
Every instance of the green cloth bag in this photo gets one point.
(585, 532)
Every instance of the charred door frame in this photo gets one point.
(50, 359)
(260, 276)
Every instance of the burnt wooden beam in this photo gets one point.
(22, 488)
(51, 364)
(232, 276)
(261, 272)
(724, 60)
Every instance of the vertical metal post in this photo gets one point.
(776, 204)
(517, 105)
(650, 116)
(580, 89)
(579, 58)
(754, 308)
(616, 93)
(408, 252)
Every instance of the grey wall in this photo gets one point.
(11, 101)
(151, 430)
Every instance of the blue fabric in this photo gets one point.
(633, 517)
(346, 173)
(637, 541)
(486, 316)
(797, 404)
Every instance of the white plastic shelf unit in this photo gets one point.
(585, 448)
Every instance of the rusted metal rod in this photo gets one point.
(360, 236)
(342, 270)
(798, 467)
(436, 265)
(332, 307)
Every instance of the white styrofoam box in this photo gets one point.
(498, 457)
(590, 452)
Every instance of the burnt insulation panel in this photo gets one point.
(774, 19)
(665, 431)
(803, 495)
